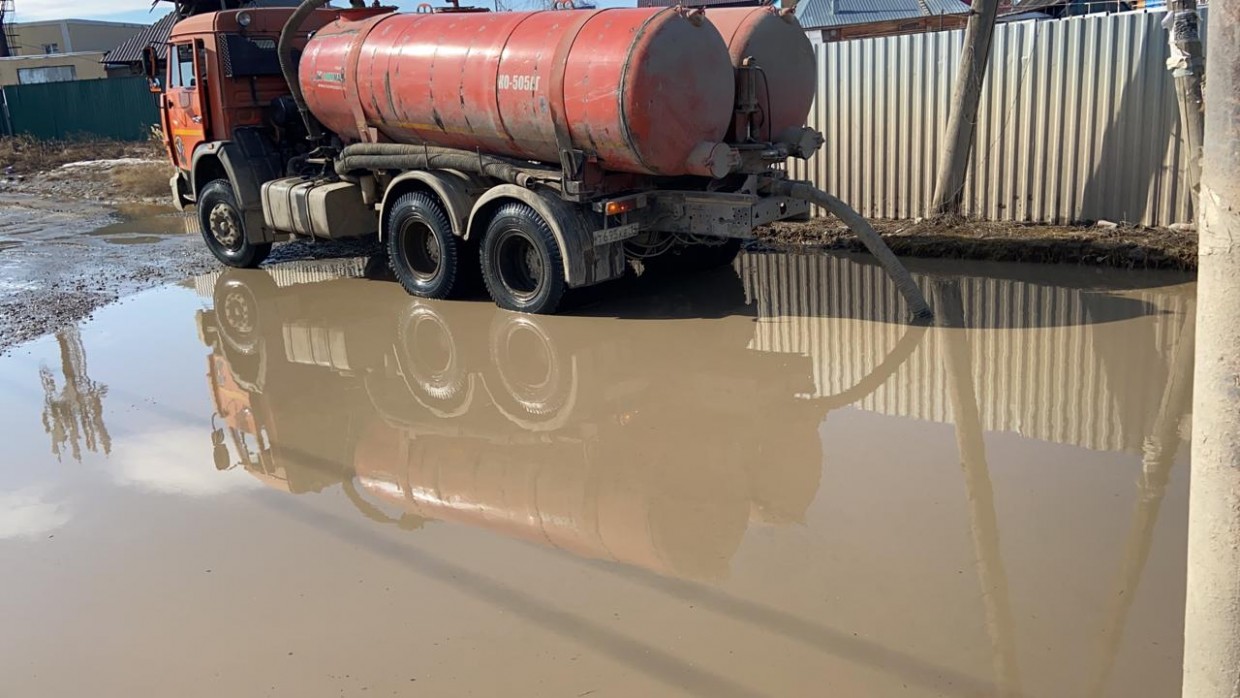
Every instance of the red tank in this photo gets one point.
(775, 41)
(645, 90)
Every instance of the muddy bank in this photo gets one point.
(112, 182)
(1125, 247)
(61, 259)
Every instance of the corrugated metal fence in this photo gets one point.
(120, 108)
(1078, 121)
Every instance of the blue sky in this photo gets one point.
(140, 10)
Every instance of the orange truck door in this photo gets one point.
(187, 114)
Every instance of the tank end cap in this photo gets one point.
(713, 160)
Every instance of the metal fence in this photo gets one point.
(1078, 121)
(120, 108)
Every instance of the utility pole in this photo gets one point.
(1187, 67)
(6, 20)
(954, 164)
(1212, 602)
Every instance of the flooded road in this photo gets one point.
(756, 482)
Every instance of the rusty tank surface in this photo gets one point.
(643, 90)
(771, 41)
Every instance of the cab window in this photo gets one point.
(182, 67)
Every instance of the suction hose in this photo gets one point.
(395, 156)
(288, 67)
(862, 228)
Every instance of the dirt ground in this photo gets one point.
(1123, 246)
(94, 225)
(75, 238)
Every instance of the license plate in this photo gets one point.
(606, 236)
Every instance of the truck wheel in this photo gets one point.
(521, 261)
(424, 254)
(223, 227)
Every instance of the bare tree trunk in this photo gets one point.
(1212, 608)
(1187, 67)
(954, 165)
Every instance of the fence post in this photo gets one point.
(4, 102)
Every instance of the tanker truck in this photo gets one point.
(527, 152)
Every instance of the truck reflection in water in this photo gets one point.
(656, 439)
(590, 435)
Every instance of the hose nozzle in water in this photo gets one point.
(869, 237)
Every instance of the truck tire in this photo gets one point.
(521, 261)
(223, 227)
(424, 254)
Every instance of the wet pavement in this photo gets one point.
(756, 482)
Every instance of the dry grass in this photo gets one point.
(149, 179)
(27, 155)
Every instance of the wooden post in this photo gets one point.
(954, 164)
(1212, 602)
(1187, 67)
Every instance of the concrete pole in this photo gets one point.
(954, 164)
(1212, 608)
(1187, 67)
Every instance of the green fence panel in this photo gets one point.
(120, 108)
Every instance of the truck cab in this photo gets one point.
(226, 113)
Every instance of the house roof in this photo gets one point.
(130, 50)
(816, 14)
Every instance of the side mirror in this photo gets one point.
(150, 65)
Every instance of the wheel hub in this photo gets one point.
(420, 251)
(533, 264)
(432, 249)
(237, 313)
(520, 264)
(224, 225)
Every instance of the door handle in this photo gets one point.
(197, 119)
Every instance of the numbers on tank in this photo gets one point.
(521, 83)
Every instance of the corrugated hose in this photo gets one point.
(908, 288)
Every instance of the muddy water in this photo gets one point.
(757, 483)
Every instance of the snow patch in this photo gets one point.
(106, 164)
